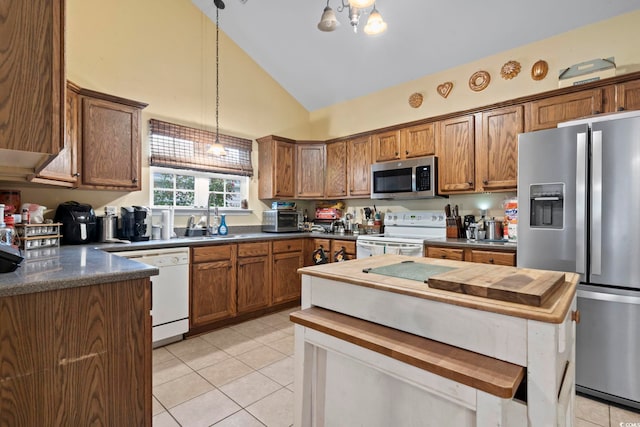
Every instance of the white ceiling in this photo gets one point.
(423, 37)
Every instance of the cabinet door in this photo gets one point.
(497, 156)
(349, 247)
(64, 167)
(284, 167)
(32, 78)
(310, 176)
(213, 292)
(456, 155)
(336, 175)
(286, 281)
(386, 146)
(628, 96)
(547, 113)
(418, 141)
(254, 284)
(445, 253)
(110, 147)
(359, 161)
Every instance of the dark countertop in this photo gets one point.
(479, 244)
(69, 267)
(82, 265)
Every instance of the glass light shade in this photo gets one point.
(360, 4)
(217, 149)
(375, 24)
(328, 21)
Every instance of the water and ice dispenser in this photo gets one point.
(547, 205)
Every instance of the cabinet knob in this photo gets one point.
(621, 108)
(443, 256)
(485, 182)
(596, 112)
(134, 180)
(470, 183)
(406, 152)
(490, 260)
(575, 316)
(397, 153)
(77, 174)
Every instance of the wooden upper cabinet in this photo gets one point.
(547, 113)
(110, 142)
(310, 176)
(359, 166)
(276, 167)
(335, 185)
(63, 169)
(386, 146)
(456, 155)
(628, 96)
(418, 141)
(32, 78)
(497, 149)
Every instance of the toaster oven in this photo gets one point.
(281, 221)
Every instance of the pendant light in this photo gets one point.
(217, 149)
(375, 24)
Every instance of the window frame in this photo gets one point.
(201, 189)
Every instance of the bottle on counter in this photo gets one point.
(223, 230)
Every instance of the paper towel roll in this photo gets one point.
(166, 225)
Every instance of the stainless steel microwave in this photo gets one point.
(281, 221)
(405, 179)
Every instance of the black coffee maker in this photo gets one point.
(135, 223)
(468, 219)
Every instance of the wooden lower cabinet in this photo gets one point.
(254, 276)
(349, 247)
(77, 356)
(288, 257)
(472, 255)
(213, 284)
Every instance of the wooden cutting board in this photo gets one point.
(519, 285)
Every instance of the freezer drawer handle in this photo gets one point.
(601, 296)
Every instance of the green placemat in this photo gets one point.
(410, 270)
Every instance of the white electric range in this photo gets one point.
(404, 234)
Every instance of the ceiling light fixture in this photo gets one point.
(217, 149)
(375, 23)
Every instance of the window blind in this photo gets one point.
(183, 147)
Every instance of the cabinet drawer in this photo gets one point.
(445, 253)
(497, 258)
(212, 253)
(281, 246)
(348, 245)
(253, 249)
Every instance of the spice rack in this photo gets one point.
(38, 236)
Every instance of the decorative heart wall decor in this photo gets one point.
(444, 89)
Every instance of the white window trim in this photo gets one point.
(201, 189)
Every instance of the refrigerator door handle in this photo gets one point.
(602, 296)
(581, 202)
(596, 204)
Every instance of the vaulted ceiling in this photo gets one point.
(423, 37)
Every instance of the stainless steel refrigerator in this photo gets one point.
(579, 211)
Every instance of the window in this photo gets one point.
(191, 189)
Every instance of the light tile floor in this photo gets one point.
(242, 376)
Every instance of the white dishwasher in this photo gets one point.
(169, 291)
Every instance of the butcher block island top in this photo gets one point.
(526, 293)
(398, 340)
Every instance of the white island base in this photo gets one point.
(380, 351)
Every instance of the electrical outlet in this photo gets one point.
(110, 210)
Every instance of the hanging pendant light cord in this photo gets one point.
(217, 74)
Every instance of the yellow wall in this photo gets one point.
(162, 52)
